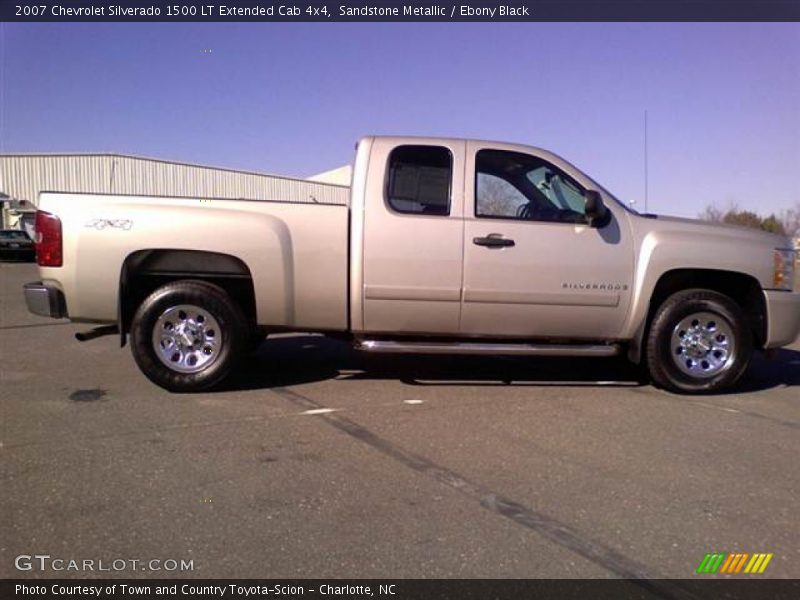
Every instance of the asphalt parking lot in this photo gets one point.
(316, 461)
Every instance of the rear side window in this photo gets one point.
(419, 180)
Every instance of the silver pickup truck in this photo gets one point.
(448, 246)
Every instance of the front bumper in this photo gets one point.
(45, 300)
(783, 318)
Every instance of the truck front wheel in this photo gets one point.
(187, 335)
(698, 342)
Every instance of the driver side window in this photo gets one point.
(511, 185)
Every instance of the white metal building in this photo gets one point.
(24, 176)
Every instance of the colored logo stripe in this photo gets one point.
(727, 564)
(734, 562)
(758, 563)
(711, 563)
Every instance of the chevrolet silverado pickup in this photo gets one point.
(447, 246)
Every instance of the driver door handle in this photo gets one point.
(493, 240)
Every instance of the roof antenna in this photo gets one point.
(645, 162)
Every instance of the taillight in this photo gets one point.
(48, 240)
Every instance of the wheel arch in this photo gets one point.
(144, 271)
(742, 288)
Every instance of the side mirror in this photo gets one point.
(597, 214)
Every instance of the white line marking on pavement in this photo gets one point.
(718, 407)
(412, 401)
(319, 411)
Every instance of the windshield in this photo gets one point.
(625, 205)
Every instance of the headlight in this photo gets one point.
(783, 274)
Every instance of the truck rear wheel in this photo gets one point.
(699, 342)
(187, 335)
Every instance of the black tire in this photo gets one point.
(230, 339)
(666, 344)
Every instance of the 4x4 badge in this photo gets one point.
(124, 224)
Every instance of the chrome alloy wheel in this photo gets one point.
(187, 338)
(702, 344)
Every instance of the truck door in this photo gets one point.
(533, 268)
(413, 237)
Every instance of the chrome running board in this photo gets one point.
(486, 348)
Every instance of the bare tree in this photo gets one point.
(787, 222)
(497, 197)
(790, 218)
(713, 214)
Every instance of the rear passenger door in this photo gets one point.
(413, 237)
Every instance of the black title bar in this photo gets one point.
(403, 589)
(399, 11)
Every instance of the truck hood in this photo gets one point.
(700, 227)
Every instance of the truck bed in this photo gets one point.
(296, 252)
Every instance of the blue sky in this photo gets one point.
(723, 100)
